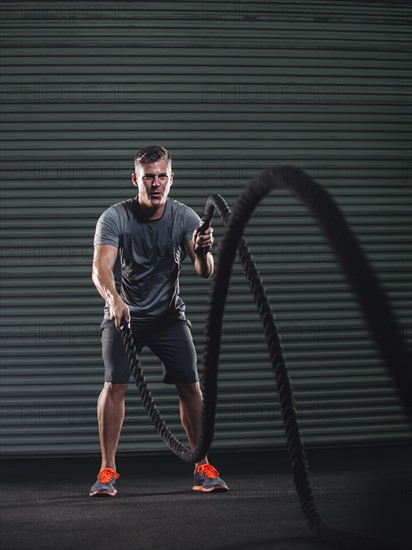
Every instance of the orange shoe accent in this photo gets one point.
(208, 471)
(107, 474)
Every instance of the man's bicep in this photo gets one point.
(104, 255)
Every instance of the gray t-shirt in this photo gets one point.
(149, 258)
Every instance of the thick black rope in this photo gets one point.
(372, 300)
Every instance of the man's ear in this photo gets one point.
(171, 178)
(134, 179)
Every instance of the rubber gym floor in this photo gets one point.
(44, 502)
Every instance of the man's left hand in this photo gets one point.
(203, 241)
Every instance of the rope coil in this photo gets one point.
(371, 298)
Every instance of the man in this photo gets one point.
(139, 247)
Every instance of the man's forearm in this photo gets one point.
(204, 265)
(103, 281)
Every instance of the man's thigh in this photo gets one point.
(173, 344)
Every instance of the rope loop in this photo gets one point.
(371, 298)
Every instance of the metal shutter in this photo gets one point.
(229, 88)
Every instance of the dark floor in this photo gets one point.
(365, 490)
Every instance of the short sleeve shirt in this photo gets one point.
(150, 254)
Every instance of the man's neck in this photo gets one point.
(151, 213)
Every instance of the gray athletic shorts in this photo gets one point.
(170, 341)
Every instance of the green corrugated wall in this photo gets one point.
(229, 88)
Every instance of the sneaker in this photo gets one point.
(207, 479)
(105, 484)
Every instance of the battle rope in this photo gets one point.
(365, 285)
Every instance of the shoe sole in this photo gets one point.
(218, 489)
(102, 494)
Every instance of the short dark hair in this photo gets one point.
(152, 153)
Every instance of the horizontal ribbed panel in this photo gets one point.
(229, 88)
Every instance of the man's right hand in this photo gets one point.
(119, 310)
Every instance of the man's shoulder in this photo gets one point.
(177, 204)
(119, 209)
(186, 218)
(180, 208)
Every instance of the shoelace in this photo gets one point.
(208, 471)
(107, 474)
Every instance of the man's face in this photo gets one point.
(153, 182)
